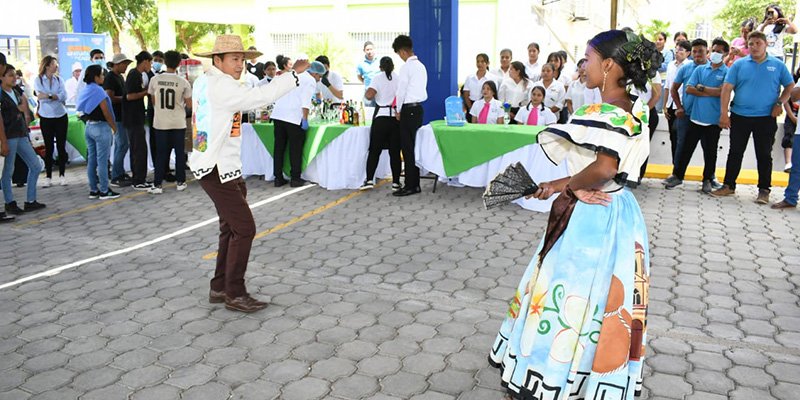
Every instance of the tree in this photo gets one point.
(654, 27)
(335, 47)
(737, 11)
(190, 33)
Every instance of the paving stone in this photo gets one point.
(257, 390)
(161, 392)
(48, 380)
(669, 386)
(46, 362)
(452, 382)
(208, 391)
(146, 376)
(96, 379)
(135, 359)
(752, 377)
(194, 375)
(710, 381)
(355, 387)
(404, 384)
(306, 389)
(286, 371)
(113, 392)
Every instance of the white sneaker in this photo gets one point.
(182, 186)
(63, 181)
(787, 168)
(47, 182)
(155, 190)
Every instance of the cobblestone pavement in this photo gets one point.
(375, 297)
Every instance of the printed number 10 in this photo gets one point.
(167, 98)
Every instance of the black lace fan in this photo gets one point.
(509, 185)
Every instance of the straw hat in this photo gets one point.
(229, 44)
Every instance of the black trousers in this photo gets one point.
(708, 136)
(154, 147)
(138, 143)
(295, 136)
(384, 130)
(410, 121)
(168, 140)
(652, 124)
(763, 130)
(55, 128)
(673, 132)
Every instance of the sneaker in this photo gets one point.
(6, 218)
(33, 206)
(763, 196)
(787, 168)
(62, 181)
(724, 191)
(396, 187)
(94, 195)
(672, 182)
(123, 181)
(706, 187)
(47, 183)
(182, 186)
(109, 195)
(155, 190)
(13, 209)
(141, 187)
(715, 185)
(367, 185)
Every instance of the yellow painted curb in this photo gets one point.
(746, 177)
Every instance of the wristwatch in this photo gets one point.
(778, 104)
(701, 88)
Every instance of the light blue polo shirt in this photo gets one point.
(757, 86)
(681, 78)
(706, 109)
(367, 69)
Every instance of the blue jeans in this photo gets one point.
(790, 195)
(120, 150)
(98, 145)
(21, 146)
(681, 126)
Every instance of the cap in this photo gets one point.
(119, 59)
(77, 66)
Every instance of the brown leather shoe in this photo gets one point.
(781, 205)
(215, 297)
(763, 196)
(244, 303)
(723, 192)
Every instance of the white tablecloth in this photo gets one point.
(532, 157)
(340, 165)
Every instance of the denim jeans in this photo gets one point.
(681, 126)
(166, 141)
(120, 150)
(790, 195)
(98, 145)
(21, 146)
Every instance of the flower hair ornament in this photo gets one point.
(635, 51)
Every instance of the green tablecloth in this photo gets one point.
(317, 137)
(465, 147)
(75, 134)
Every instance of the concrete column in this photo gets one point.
(166, 27)
(434, 30)
(82, 16)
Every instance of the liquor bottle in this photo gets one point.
(343, 114)
(362, 113)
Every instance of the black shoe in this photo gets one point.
(33, 206)
(13, 209)
(110, 194)
(94, 195)
(170, 178)
(123, 181)
(297, 183)
(707, 188)
(6, 218)
(280, 182)
(405, 191)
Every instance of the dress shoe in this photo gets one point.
(280, 182)
(782, 205)
(244, 304)
(297, 183)
(763, 196)
(215, 297)
(723, 192)
(406, 191)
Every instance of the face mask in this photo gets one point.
(716, 58)
(19, 82)
(100, 62)
(157, 66)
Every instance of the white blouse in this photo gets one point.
(495, 111)
(546, 117)
(385, 90)
(515, 94)
(575, 94)
(554, 95)
(474, 85)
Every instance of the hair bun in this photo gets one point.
(641, 60)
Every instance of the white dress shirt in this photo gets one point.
(546, 117)
(515, 94)
(495, 111)
(554, 95)
(385, 91)
(412, 83)
(575, 94)
(672, 73)
(336, 82)
(289, 108)
(501, 75)
(474, 85)
(534, 71)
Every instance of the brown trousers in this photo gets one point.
(236, 231)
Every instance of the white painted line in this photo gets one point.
(56, 271)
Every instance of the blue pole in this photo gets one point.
(82, 16)
(434, 30)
